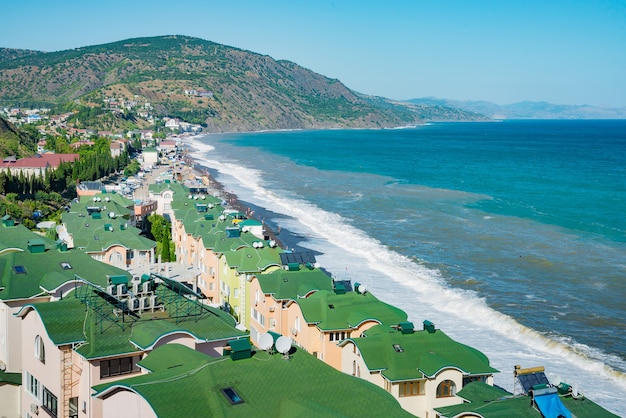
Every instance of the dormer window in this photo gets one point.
(446, 389)
(65, 265)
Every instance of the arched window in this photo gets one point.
(40, 351)
(446, 389)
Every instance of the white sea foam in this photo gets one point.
(350, 254)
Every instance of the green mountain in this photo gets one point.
(248, 91)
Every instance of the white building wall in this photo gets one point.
(10, 399)
(420, 405)
(431, 390)
(11, 334)
(126, 404)
(46, 373)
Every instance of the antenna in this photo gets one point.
(266, 341)
(283, 345)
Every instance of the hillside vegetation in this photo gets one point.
(249, 91)
(16, 142)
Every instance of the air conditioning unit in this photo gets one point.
(34, 408)
(271, 309)
(294, 331)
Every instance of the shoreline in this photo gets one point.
(199, 165)
(217, 189)
(285, 238)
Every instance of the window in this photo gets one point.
(19, 269)
(446, 389)
(388, 385)
(118, 366)
(297, 323)
(40, 351)
(260, 318)
(413, 388)
(232, 396)
(49, 402)
(73, 405)
(32, 385)
(470, 379)
(339, 335)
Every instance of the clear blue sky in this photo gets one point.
(564, 52)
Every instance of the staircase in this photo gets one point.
(66, 383)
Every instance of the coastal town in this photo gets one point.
(96, 321)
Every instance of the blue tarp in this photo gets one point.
(551, 406)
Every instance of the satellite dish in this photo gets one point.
(266, 341)
(362, 289)
(283, 345)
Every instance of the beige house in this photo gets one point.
(97, 335)
(422, 369)
(320, 322)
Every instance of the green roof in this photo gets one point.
(283, 284)
(92, 236)
(14, 379)
(17, 237)
(190, 384)
(23, 275)
(240, 251)
(331, 311)
(104, 333)
(158, 188)
(489, 401)
(421, 353)
(252, 260)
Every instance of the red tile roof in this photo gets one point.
(41, 161)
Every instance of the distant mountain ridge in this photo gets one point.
(527, 109)
(245, 91)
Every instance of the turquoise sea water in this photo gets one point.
(511, 236)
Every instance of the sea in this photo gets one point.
(510, 236)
